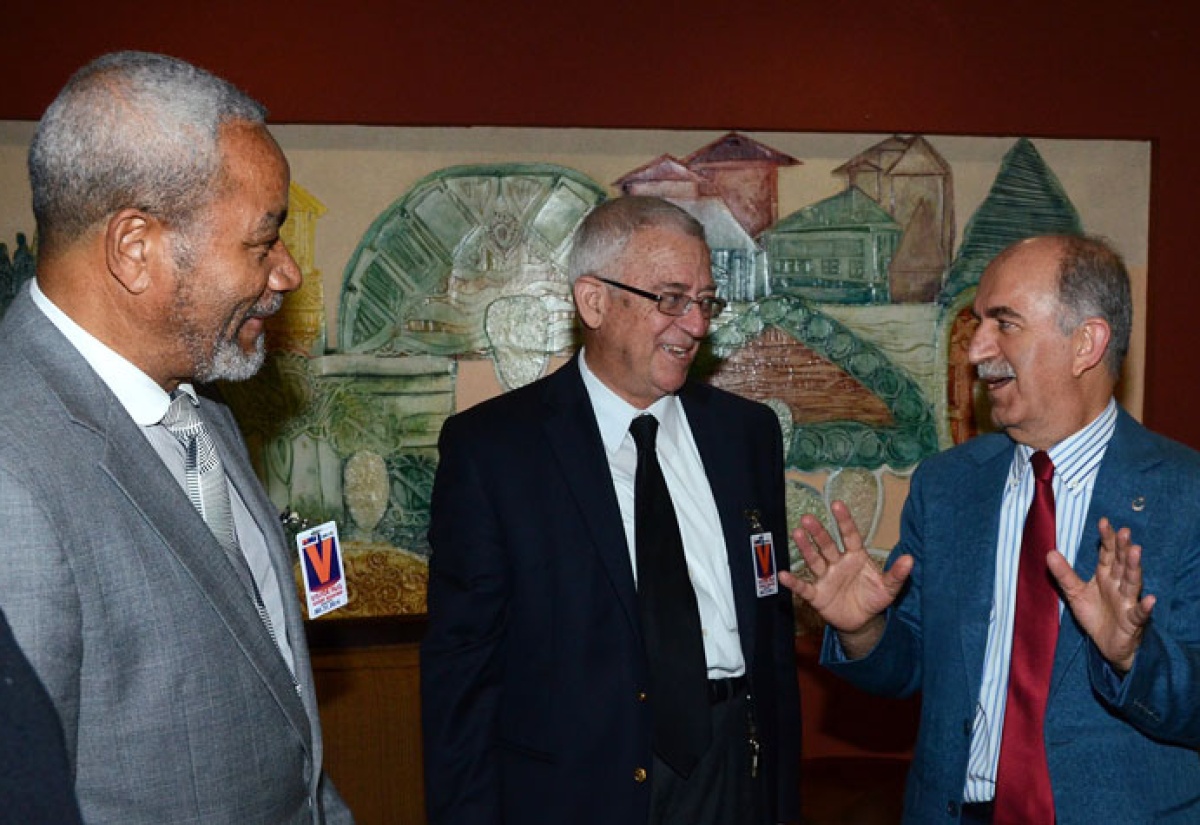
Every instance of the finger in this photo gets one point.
(820, 537)
(791, 581)
(1131, 572)
(1072, 586)
(896, 575)
(1108, 545)
(809, 551)
(804, 589)
(851, 539)
(1140, 613)
(1124, 552)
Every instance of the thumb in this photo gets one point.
(1061, 570)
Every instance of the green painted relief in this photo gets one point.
(849, 309)
(844, 318)
(425, 274)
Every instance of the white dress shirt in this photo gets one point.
(695, 509)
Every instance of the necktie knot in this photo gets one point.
(181, 417)
(1043, 467)
(183, 421)
(644, 429)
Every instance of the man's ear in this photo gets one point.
(1090, 340)
(590, 301)
(134, 244)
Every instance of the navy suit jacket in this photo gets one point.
(1120, 750)
(35, 774)
(533, 664)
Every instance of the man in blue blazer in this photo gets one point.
(537, 702)
(1121, 719)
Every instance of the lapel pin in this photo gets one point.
(752, 516)
(1139, 504)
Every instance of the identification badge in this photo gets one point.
(765, 575)
(324, 575)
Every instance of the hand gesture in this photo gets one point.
(1110, 608)
(848, 590)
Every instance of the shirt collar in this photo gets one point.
(1077, 456)
(144, 400)
(614, 413)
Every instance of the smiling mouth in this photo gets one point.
(682, 353)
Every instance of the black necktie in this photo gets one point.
(669, 615)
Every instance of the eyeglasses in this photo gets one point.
(673, 303)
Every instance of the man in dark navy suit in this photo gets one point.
(539, 694)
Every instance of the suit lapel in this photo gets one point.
(975, 555)
(1124, 484)
(135, 468)
(574, 438)
(269, 661)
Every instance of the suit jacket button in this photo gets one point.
(639, 775)
(641, 696)
(952, 808)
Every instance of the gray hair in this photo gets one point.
(131, 129)
(1094, 283)
(603, 234)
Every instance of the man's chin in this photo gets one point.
(229, 362)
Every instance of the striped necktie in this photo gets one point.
(208, 489)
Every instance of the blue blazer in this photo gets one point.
(1119, 750)
(533, 672)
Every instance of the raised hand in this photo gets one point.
(1110, 608)
(848, 590)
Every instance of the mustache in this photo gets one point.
(272, 306)
(994, 370)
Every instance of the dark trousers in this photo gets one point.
(720, 790)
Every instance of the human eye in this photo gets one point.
(266, 247)
(673, 303)
(711, 306)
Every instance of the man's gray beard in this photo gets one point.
(229, 363)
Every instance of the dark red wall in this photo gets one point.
(1054, 69)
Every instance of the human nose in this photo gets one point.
(982, 346)
(693, 321)
(285, 274)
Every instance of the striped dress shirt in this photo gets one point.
(1076, 462)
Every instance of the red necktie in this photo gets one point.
(1023, 795)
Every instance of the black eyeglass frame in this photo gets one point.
(710, 306)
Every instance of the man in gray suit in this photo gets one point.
(166, 631)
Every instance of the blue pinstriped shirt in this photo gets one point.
(1076, 462)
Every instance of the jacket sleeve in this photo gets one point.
(461, 655)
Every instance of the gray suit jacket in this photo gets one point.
(176, 704)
